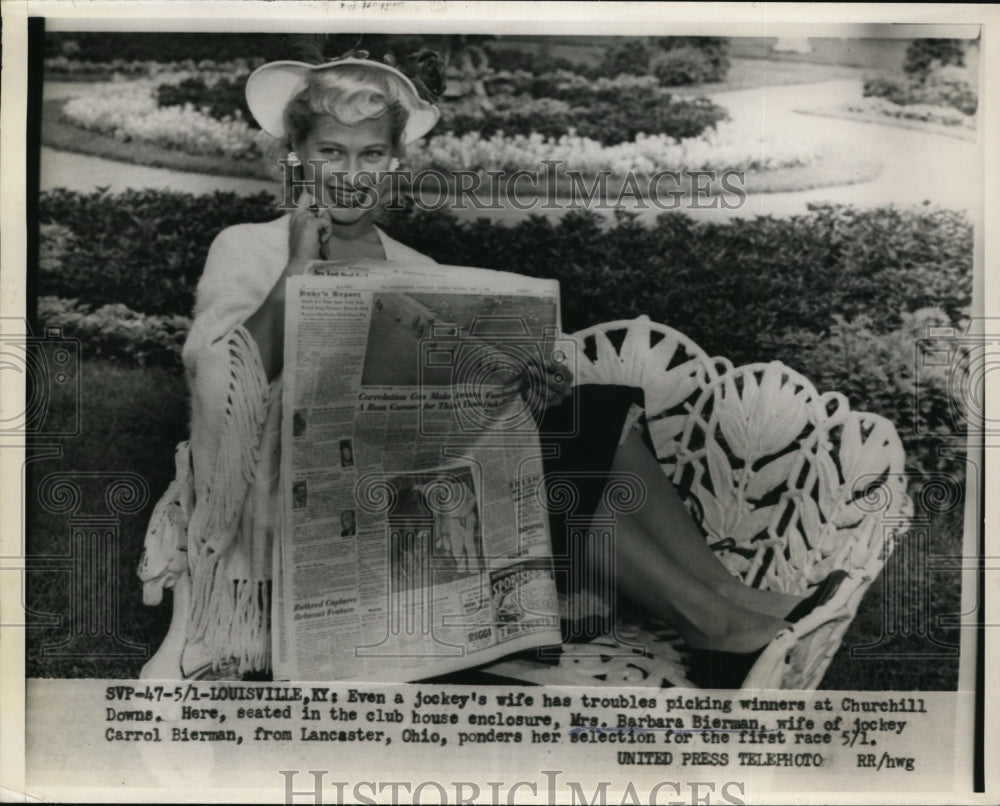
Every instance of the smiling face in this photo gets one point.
(343, 151)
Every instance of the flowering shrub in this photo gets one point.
(117, 332)
(947, 86)
(726, 148)
(128, 111)
(943, 115)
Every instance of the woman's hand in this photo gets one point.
(556, 385)
(308, 233)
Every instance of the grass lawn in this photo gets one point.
(898, 646)
(133, 417)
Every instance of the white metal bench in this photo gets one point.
(794, 482)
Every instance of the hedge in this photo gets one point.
(762, 275)
(675, 60)
(795, 289)
(146, 248)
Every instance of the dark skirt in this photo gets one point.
(579, 439)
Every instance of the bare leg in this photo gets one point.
(704, 619)
(666, 520)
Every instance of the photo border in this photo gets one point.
(624, 19)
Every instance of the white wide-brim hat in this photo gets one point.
(272, 86)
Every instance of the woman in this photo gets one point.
(349, 118)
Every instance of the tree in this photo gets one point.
(923, 53)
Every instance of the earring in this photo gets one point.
(293, 159)
(394, 164)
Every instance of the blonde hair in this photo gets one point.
(351, 93)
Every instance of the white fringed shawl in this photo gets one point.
(235, 455)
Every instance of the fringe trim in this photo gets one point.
(231, 616)
(235, 621)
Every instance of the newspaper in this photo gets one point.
(416, 539)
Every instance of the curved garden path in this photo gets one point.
(84, 173)
(917, 166)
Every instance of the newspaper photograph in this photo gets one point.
(411, 402)
(422, 456)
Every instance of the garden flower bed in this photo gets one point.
(932, 119)
(929, 113)
(129, 111)
(613, 126)
(725, 148)
(935, 90)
